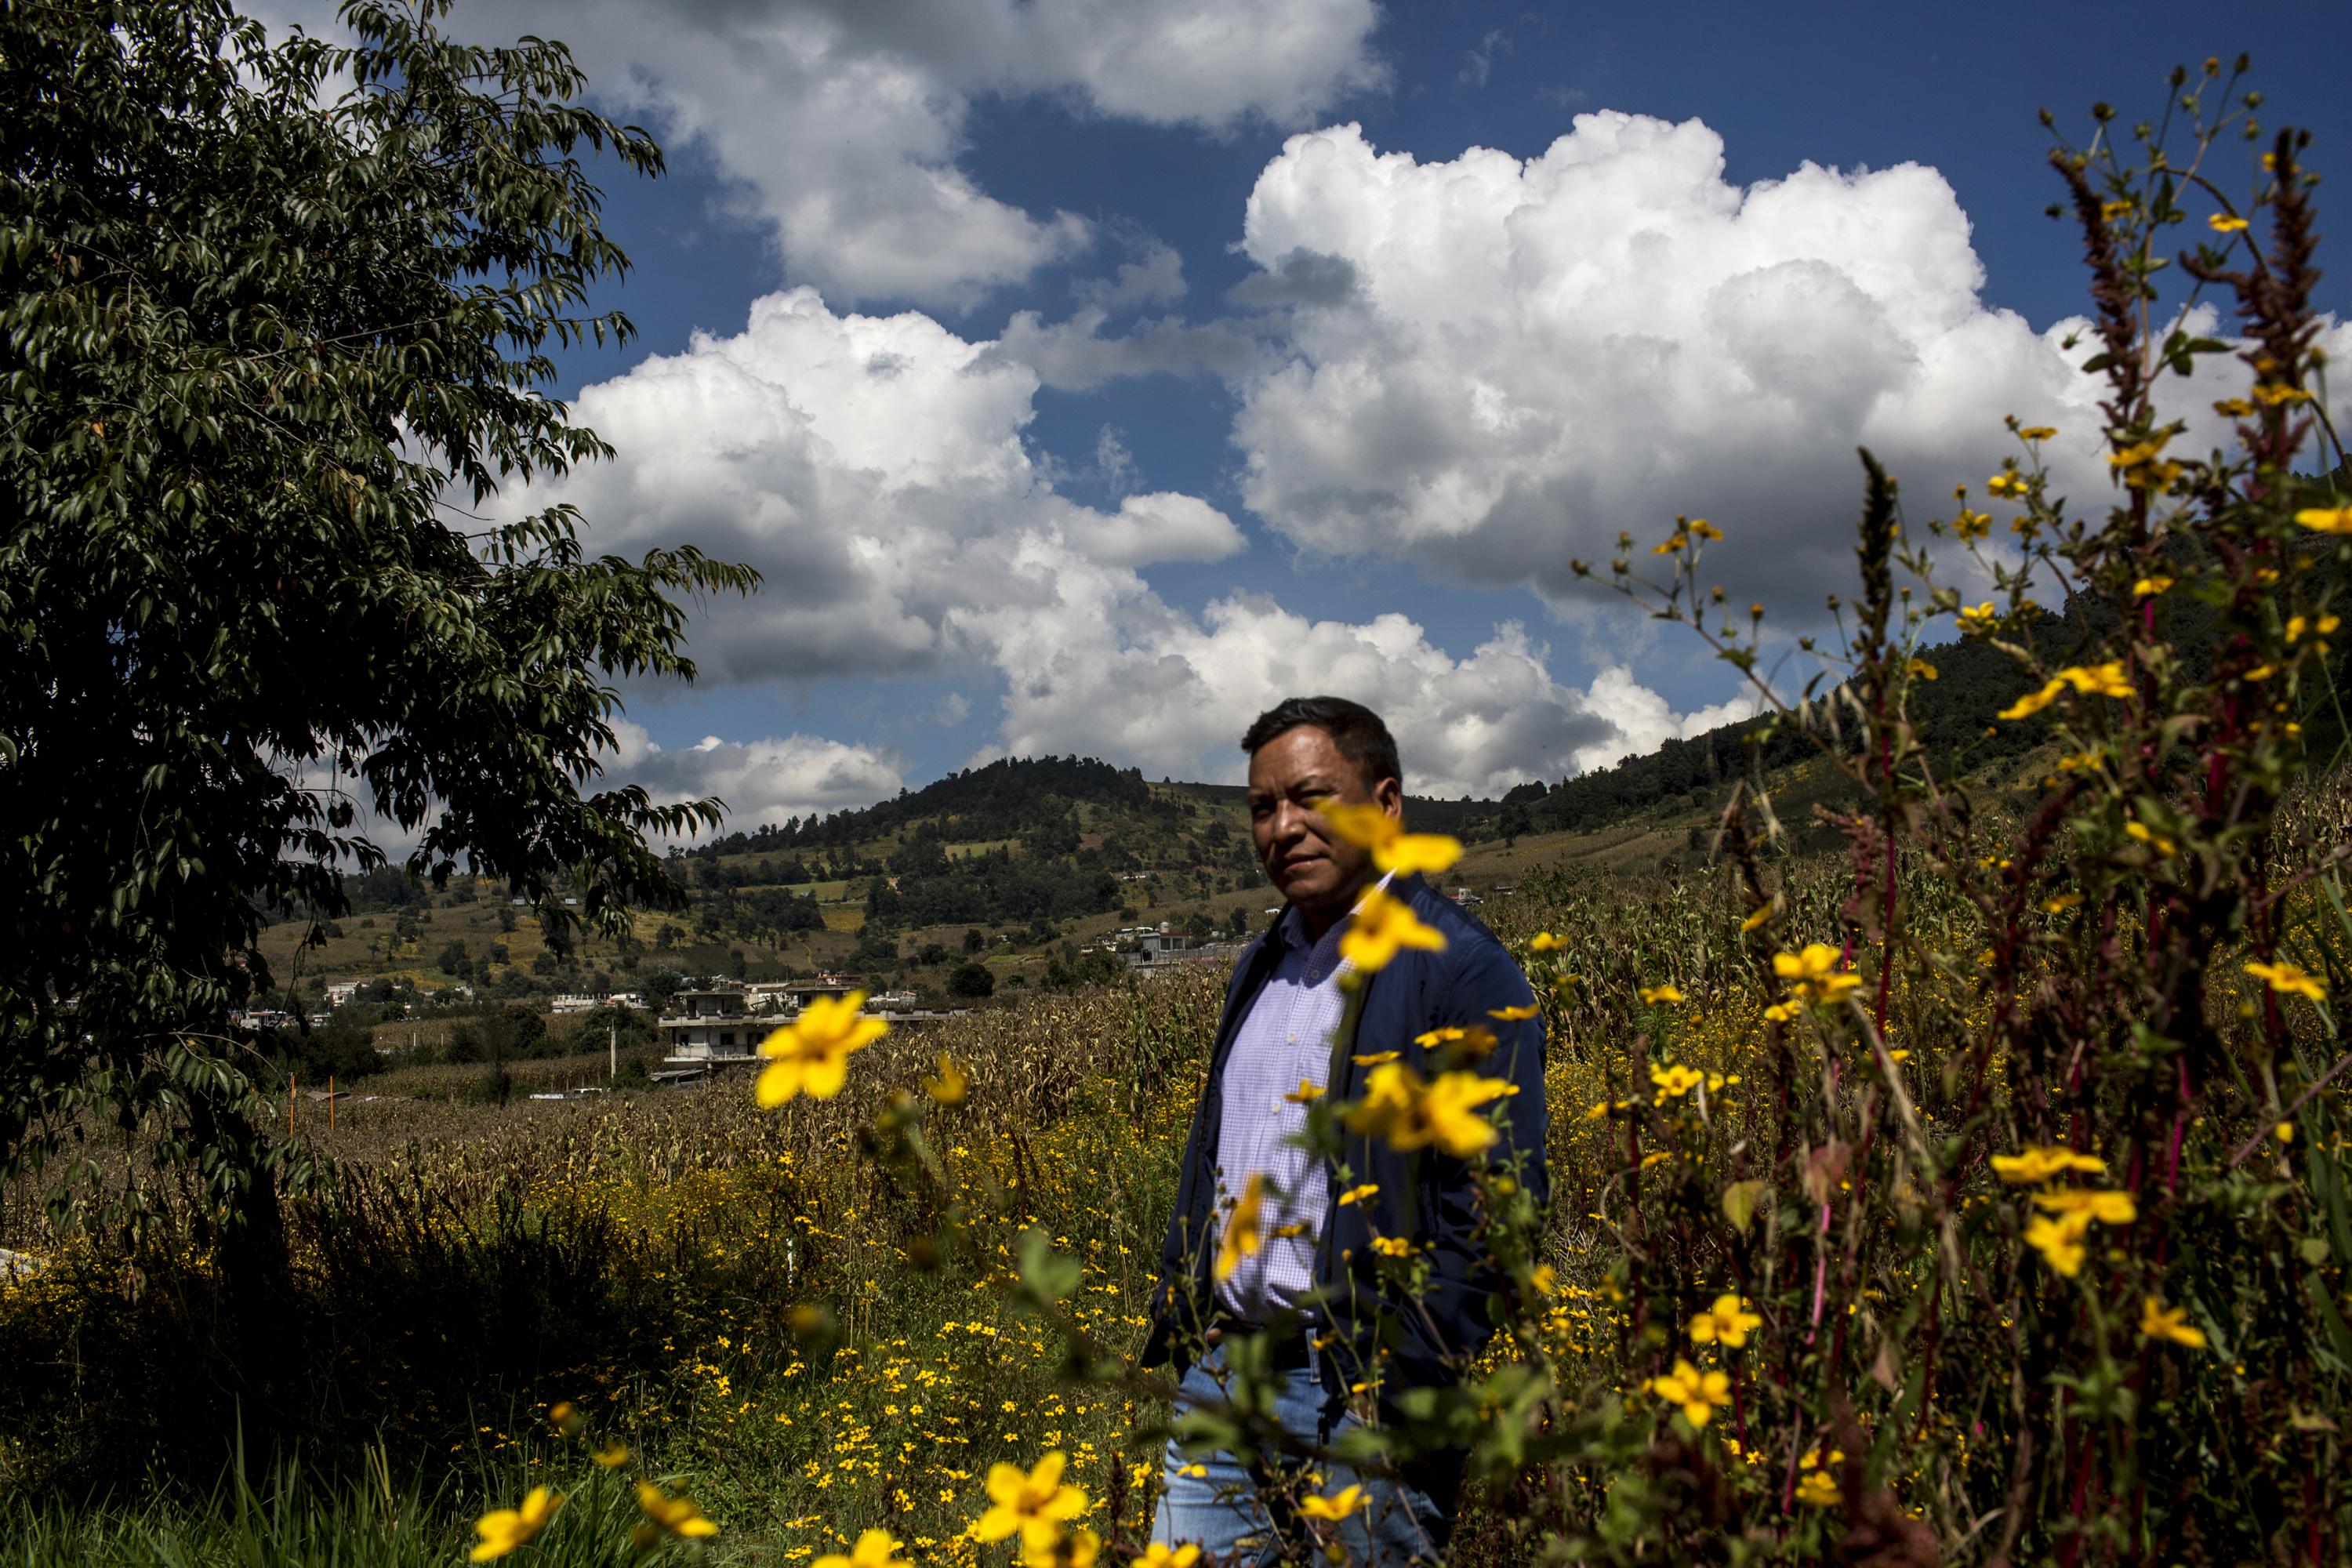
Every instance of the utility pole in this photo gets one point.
(613, 1040)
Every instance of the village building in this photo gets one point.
(588, 1002)
(710, 1025)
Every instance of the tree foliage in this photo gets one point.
(275, 326)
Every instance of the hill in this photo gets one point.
(1025, 864)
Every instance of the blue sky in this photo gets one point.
(1084, 376)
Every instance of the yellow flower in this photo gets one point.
(1358, 1195)
(1704, 529)
(1374, 1058)
(677, 1515)
(951, 1085)
(1514, 1014)
(2060, 1241)
(1382, 925)
(2037, 433)
(1654, 994)
(1544, 942)
(2326, 519)
(2035, 1165)
(1409, 1114)
(2290, 980)
(2141, 833)
(1471, 1041)
(2275, 392)
(1243, 1233)
(1367, 827)
(612, 1457)
(2139, 462)
(2223, 223)
(875, 1549)
(1080, 1548)
(1676, 1079)
(1335, 1508)
(2107, 1208)
(1159, 1554)
(1031, 1503)
(1393, 1247)
(2033, 702)
(1972, 524)
(1782, 1012)
(565, 1417)
(2158, 1321)
(2283, 1132)
(2149, 587)
(1816, 1488)
(2007, 483)
(2108, 679)
(1699, 1392)
(810, 1054)
(1814, 975)
(1921, 668)
(1307, 1092)
(504, 1529)
(1756, 919)
(1726, 1323)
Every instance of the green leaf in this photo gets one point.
(1740, 1201)
(1049, 1275)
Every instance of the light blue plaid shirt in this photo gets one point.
(1287, 1038)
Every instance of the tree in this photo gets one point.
(265, 356)
(972, 980)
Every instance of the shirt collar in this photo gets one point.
(1292, 927)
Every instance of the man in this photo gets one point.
(1312, 1288)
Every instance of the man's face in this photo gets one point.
(1308, 864)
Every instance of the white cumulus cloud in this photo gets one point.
(765, 780)
(840, 123)
(1530, 356)
(873, 469)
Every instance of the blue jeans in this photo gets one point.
(1213, 1502)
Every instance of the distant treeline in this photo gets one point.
(1973, 682)
(1955, 715)
(1004, 799)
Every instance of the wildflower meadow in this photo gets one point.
(1973, 1191)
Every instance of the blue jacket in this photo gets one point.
(1427, 1193)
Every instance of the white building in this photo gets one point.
(588, 1002)
(342, 991)
(710, 1026)
(770, 998)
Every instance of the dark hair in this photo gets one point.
(1355, 729)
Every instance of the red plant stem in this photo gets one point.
(2072, 1548)
(1886, 927)
(1820, 1272)
(2180, 1132)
